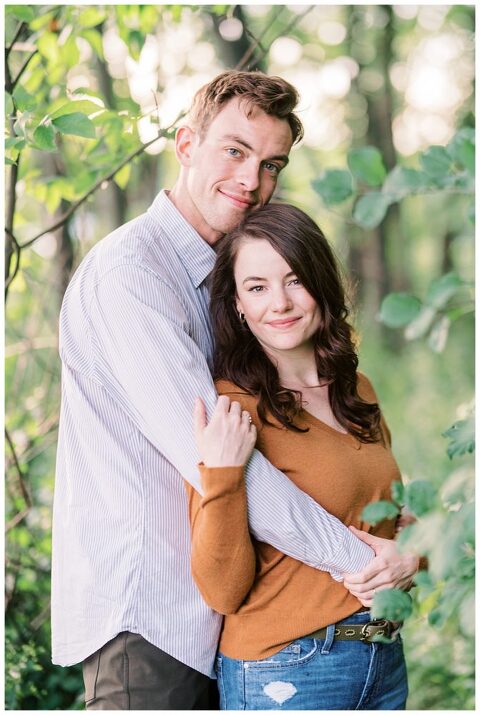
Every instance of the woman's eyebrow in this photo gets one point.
(259, 278)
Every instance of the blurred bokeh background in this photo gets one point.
(386, 168)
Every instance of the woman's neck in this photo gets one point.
(296, 369)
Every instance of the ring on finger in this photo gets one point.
(248, 415)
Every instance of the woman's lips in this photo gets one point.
(285, 323)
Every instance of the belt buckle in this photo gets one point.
(382, 628)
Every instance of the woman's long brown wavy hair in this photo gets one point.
(238, 355)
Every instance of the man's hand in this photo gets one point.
(389, 569)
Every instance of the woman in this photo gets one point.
(293, 638)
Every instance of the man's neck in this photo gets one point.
(180, 198)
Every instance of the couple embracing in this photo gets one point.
(217, 446)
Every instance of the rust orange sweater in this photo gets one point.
(271, 599)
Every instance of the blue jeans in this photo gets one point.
(311, 674)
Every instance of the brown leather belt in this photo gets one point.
(376, 630)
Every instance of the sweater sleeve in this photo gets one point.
(223, 557)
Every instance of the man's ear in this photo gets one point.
(185, 139)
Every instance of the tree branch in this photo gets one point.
(22, 69)
(16, 249)
(248, 54)
(23, 489)
(15, 38)
(99, 183)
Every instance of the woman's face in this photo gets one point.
(278, 310)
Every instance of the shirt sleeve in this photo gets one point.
(223, 556)
(150, 363)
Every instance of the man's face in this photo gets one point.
(234, 168)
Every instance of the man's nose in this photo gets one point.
(249, 174)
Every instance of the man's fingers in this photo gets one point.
(362, 577)
(366, 537)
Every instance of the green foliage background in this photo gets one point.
(78, 165)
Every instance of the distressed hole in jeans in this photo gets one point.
(279, 691)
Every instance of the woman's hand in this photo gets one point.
(229, 438)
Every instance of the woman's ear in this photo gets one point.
(184, 145)
(238, 305)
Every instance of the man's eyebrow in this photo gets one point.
(239, 140)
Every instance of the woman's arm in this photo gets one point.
(223, 557)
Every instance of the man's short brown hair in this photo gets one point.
(273, 95)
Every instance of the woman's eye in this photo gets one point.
(296, 282)
(232, 151)
(255, 289)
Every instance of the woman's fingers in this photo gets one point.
(199, 417)
(246, 417)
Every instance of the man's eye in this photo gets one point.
(232, 151)
(272, 168)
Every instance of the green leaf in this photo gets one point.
(54, 196)
(70, 53)
(367, 165)
(392, 604)
(334, 186)
(14, 142)
(397, 492)
(13, 147)
(420, 497)
(421, 324)
(461, 436)
(439, 334)
(423, 579)
(442, 289)
(21, 12)
(48, 46)
(399, 309)
(436, 161)
(44, 137)
(402, 182)
(378, 511)
(467, 615)
(462, 149)
(370, 209)
(9, 108)
(85, 106)
(24, 101)
(77, 124)
(91, 17)
(95, 41)
(121, 177)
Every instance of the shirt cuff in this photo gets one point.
(352, 557)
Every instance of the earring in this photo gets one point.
(241, 317)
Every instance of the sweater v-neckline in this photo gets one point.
(345, 436)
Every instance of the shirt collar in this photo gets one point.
(197, 255)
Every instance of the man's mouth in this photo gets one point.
(240, 202)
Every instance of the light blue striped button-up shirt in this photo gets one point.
(136, 347)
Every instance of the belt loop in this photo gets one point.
(328, 639)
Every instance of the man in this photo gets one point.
(136, 347)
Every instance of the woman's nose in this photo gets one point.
(280, 301)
